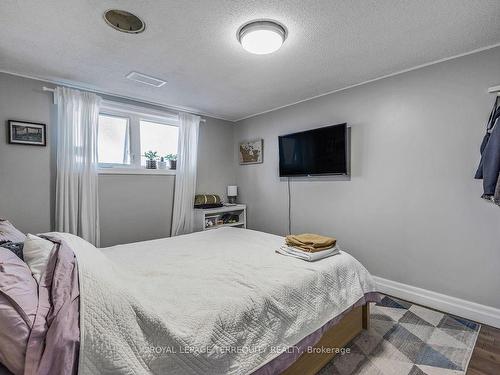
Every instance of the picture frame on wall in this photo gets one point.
(27, 133)
(252, 152)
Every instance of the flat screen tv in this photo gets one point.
(316, 152)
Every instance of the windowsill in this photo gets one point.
(130, 171)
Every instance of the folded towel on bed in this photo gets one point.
(310, 242)
(308, 256)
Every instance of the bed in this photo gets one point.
(214, 302)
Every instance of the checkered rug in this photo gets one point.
(407, 339)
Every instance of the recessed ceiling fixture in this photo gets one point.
(147, 80)
(124, 21)
(262, 37)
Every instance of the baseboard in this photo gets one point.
(451, 305)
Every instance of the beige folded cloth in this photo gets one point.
(310, 242)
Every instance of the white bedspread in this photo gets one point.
(213, 302)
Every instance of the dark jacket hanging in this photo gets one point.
(489, 166)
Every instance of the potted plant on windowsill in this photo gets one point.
(172, 160)
(151, 157)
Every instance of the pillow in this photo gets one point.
(18, 305)
(9, 233)
(36, 253)
(15, 247)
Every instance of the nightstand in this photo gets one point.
(211, 218)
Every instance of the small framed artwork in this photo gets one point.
(252, 152)
(27, 133)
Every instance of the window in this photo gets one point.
(113, 140)
(126, 132)
(158, 137)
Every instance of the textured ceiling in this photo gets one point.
(192, 45)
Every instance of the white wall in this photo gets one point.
(133, 207)
(412, 211)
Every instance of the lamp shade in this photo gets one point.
(232, 191)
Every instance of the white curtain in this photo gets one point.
(185, 180)
(77, 208)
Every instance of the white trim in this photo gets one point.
(373, 80)
(134, 171)
(144, 113)
(452, 305)
(134, 115)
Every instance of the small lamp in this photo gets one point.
(232, 193)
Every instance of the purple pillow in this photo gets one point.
(18, 306)
(8, 232)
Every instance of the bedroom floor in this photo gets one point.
(486, 356)
(405, 338)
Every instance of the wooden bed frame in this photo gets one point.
(338, 336)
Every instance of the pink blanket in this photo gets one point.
(54, 341)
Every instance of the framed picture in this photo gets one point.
(27, 133)
(251, 152)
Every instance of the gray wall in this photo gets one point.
(25, 171)
(133, 207)
(412, 211)
(216, 169)
(139, 207)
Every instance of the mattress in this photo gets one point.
(214, 302)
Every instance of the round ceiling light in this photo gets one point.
(262, 37)
(124, 21)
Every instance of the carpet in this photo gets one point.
(408, 339)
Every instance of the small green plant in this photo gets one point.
(171, 157)
(151, 155)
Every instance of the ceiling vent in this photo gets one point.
(147, 80)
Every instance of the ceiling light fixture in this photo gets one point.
(262, 37)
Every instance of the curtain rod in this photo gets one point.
(49, 89)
